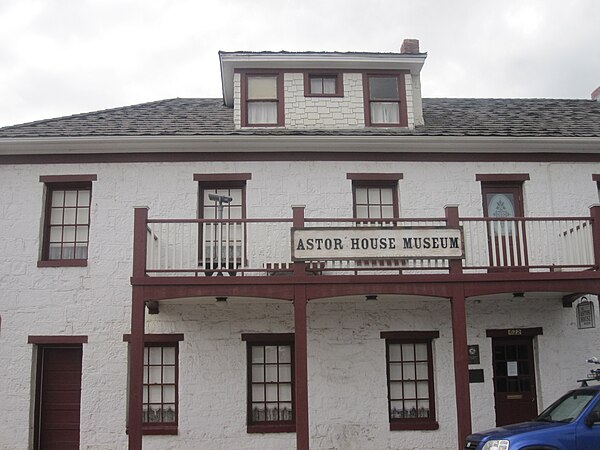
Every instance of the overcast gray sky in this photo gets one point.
(62, 57)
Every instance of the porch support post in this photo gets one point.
(300, 344)
(595, 213)
(461, 364)
(136, 346)
(136, 368)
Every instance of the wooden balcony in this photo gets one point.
(262, 246)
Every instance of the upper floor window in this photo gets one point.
(375, 196)
(411, 395)
(323, 85)
(262, 99)
(385, 100)
(270, 382)
(66, 220)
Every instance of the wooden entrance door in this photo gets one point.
(514, 380)
(58, 398)
(507, 244)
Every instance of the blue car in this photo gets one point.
(570, 423)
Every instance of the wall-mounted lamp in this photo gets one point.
(371, 298)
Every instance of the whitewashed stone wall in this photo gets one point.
(346, 366)
(324, 112)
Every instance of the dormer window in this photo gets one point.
(263, 100)
(385, 100)
(323, 84)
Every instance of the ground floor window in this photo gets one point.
(409, 367)
(270, 382)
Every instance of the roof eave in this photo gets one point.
(286, 144)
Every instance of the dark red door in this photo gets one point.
(58, 398)
(514, 380)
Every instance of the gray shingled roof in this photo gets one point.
(443, 117)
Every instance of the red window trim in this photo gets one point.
(68, 178)
(400, 77)
(596, 177)
(59, 182)
(244, 74)
(339, 82)
(165, 340)
(221, 177)
(375, 176)
(427, 337)
(160, 338)
(502, 177)
(268, 339)
(376, 181)
(58, 340)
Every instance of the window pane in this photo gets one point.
(155, 355)
(285, 411)
(408, 352)
(155, 394)
(387, 197)
(408, 371)
(285, 392)
(271, 373)
(394, 352)
(258, 392)
(422, 389)
(55, 234)
(69, 234)
(383, 88)
(81, 251)
(56, 216)
(258, 373)
(316, 86)
(84, 198)
(285, 354)
(362, 212)
(422, 372)
(410, 390)
(58, 198)
(155, 374)
(375, 212)
(272, 412)
(168, 355)
(423, 406)
(385, 113)
(262, 88)
(361, 195)
(169, 374)
(387, 211)
(410, 409)
(70, 198)
(329, 85)
(83, 216)
(68, 251)
(258, 412)
(421, 352)
(395, 371)
(396, 409)
(271, 392)
(168, 413)
(262, 113)
(168, 394)
(258, 354)
(82, 234)
(285, 372)
(395, 390)
(270, 354)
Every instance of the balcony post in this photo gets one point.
(134, 423)
(595, 214)
(140, 241)
(300, 347)
(452, 220)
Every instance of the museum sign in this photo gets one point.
(362, 243)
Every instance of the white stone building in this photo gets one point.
(136, 311)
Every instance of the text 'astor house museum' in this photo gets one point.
(320, 259)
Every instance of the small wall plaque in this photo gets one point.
(586, 317)
(473, 352)
(476, 376)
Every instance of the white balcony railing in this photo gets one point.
(243, 247)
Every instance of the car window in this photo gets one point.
(567, 408)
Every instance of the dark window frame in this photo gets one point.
(244, 101)
(161, 340)
(401, 100)
(339, 83)
(53, 183)
(412, 337)
(269, 339)
(376, 180)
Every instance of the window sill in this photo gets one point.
(404, 426)
(156, 430)
(271, 428)
(63, 263)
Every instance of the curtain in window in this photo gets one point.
(385, 112)
(262, 112)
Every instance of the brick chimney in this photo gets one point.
(596, 94)
(410, 46)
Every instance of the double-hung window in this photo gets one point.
(270, 382)
(66, 228)
(409, 364)
(385, 100)
(262, 99)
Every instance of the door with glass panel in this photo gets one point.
(222, 241)
(507, 240)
